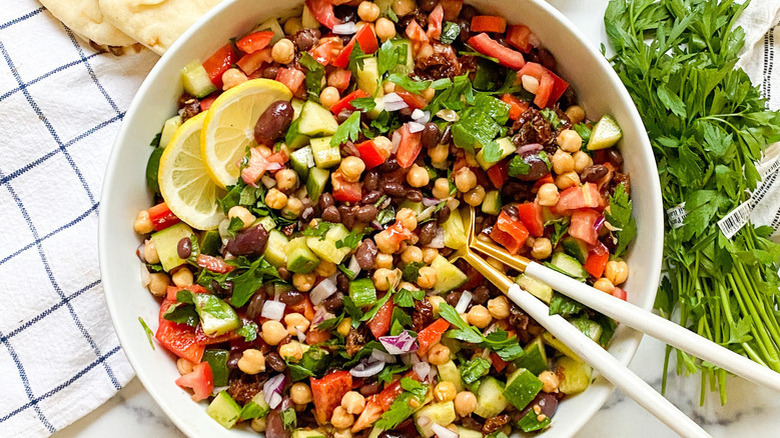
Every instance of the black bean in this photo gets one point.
(391, 165)
(414, 196)
(428, 5)
(273, 123)
(270, 72)
(393, 189)
(184, 248)
(614, 157)
(547, 59)
(430, 135)
(443, 214)
(222, 291)
(342, 282)
(480, 295)
(366, 254)
(465, 29)
(384, 204)
(331, 214)
(372, 197)
(346, 13)
(326, 200)
(446, 136)
(275, 361)
(255, 306)
(538, 167)
(343, 115)
(468, 12)
(291, 297)
(452, 298)
(284, 273)
(305, 39)
(334, 303)
(366, 213)
(233, 358)
(371, 388)
(593, 173)
(347, 216)
(371, 181)
(428, 232)
(250, 242)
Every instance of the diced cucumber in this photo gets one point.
(375, 432)
(590, 328)
(256, 408)
(569, 265)
(605, 134)
(275, 248)
(315, 120)
(267, 222)
(468, 433)
(297, 105)
(448, 275)
(521, 387)
(576, 375)
(492, 203)
(535, 287)
(196, 80)
(153, 169)
(575, 248)
(166, 243)
(307, 19)
(454, 231)
(379, 106)
(294, 139)
(300, 259)
(416, 207)
(216, 316)
(408, 66)
(506, 147)
(534, 357)
(438, 413)
(326, 248)
(315, 184)
(553, 342)
(217, 360)
(362, 292)
(448, 372)
(224, 410)
(271, 24)
(368, 77)
(325, 155)
(306, 433)
(169, 127)
(302, 160)
(490, 398)
(530, 422)
(210, 242)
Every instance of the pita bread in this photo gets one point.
(85, 18)
(155, 23)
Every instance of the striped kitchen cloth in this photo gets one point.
(61, 104)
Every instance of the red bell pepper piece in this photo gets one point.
(507, 57)
(544, 180)
(506, 240)
(200, 380)
(516, 106)
(380, 323)
(255, 41)
(327, 49)
(314, 336)
(521, 38)
(584, 196)
(582, 225)
(435, 20)
(219, 62)
(499, 173)
(206, 102)
(414, 101)
(371, 154)
(162, 217)
(431, 335)
(327, 393)
(488, 23)
(170, 293)
(179, 339)
(323, 12)
(451, 8)
(498, 363)
(213, 264)
(343, 190)
(409, 147)
(251, 62)
(346, 101)
(512, 226)
(368, 44)
(293, 79)
(598, 256)
(551, 87)
(530, 214)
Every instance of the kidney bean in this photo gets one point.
(326, 200)
(184, 248)
(331, 214)
(547, 59)
(428, 5)
(593, 173)
(393, 189)
(274, 428)
(371, 181)
(255, 306)
(291, 297)
(443, 214)
(384, 204)
(372, 197)
(275, 361)
(283, 273)
(273, 123)
(538, 168)
(306, 39)
(414, 196)
(446, 136)
(250, 242)
(427, 233)
(343, 115)
(366, 254)
(371, 388)
(614, 157)
(465, 29)
(430, 135)
(366, 213)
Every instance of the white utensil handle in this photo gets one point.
(607, 365)
(656, 326)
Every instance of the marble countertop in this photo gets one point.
(751, 410)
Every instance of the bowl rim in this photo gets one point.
(629, 344)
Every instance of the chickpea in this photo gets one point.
(498, 264)
(530, 83)
(567, 180)
(275, 199)
(329, 96)
(353, 402)
(291, 351)
(547, 195)
(384, 278)
(417, 176)
(384, 144)
(475, 196)
(273, 332)
(184, 366)
(296, 321)
(182, 277)
(325, 268)
(304, 282)
(581, 161)
(435, 301)
(412, 254)
(408, 286)
(429, 254)
(562, 162)
(408, 218)
(142, 223)
(576, 114)
(232, 77)
(385, 29)
(465, 179)
(385, 243)
(368, 11)
(293, 208)
(427, 277)
(352, 168)
(569, 140)
(252, 361)
(439, 154)
(425, 51)
(158, 283)
(465, 403)
(242, 213)
(389, 87)
(542, 248)
(286, 179)
(293, 25)
(264, 150)
(344, 326)
(428, 94)
(498, 307)
(150, 252)
(550, 381)
(300, 393)
(439, 354)
(444, 391)
(283, 51)
(362, 23)
(259, 424)
(383, 260)
(616, 271)
(441, 188)
(403, 7)
(603, 284)
(341, 418)
(479, 316)
(342, 433)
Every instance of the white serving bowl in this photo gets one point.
(125, 193)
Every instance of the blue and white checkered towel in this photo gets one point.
(61, 104)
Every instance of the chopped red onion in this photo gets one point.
(273, 167)
(403, 343)
(218, 389)
(381, 356)
(438, 239)
(367, 369)
(426, 213)
(268, 181)
(323, 290)
(430, 201)
(301, 335)
(394, 102)
(420, 116)
(146, 278)
(273, 310)
(443, 432)
(532, 148)
(347, 28)
(354, 266)
(598, 224)
(140, 252)
(415, 127)
(396, 141)
(422, 369)
(272, 390)
(463, 302)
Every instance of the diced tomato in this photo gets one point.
(211, 340)
(346, 101)
(327, 393)
(327, 49)
(369, 416)
(620, 293)
(200, 380)
(551, 87)
(506, 240)
(323, 12)
(368, 44)
(343, 190)
(340, 79)
(507, 57)
(415, 101)
(512, 226)
(219, 62)
(530, 214)
(213, 264)
(371, 155)
(598, 256)
(409, 147)
(499, 173)
(255, 168)
(251, 62)
(380, 323)
(416, 33)
(451, 8)
(584, 196)
(170, 293)
(435, 19)
(387, 396)
(544, 180)
(544, 91)
(293, 79)
(498, 363)
(582, 225)
(397, 233)
(521, 38)
(206, 102)
(488, 23)
(162, 217)
(304, 307)
(431, 335)
(255, 41)
(314, 336)
(516, 106)
(179, 339)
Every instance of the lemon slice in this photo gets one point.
(230, 126)
(184, 182)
